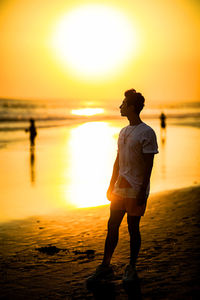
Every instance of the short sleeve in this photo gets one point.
(120, 139)
(149, 142)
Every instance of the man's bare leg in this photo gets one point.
(135, 238)
(116, 217)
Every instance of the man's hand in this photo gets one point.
(109, 193)
(141, 197)
(113, 178)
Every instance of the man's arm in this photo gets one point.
(148, 161)
(114, 177)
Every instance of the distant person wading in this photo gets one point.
(163, 127)
(162, 120)
(33, 132)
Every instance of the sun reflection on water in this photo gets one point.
(91, 160)
(87, 111)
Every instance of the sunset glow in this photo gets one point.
(91, 51)
(94, 40)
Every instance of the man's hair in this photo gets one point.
(135, 99)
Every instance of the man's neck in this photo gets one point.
(134, 120)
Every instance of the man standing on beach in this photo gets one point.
(130, 183)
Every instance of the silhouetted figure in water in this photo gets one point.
(163, 120)
(33, 132)
(129, 186)
(163, 126)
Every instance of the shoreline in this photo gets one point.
(168, 264)
(71, 210)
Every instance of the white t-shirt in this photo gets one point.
(132, 143)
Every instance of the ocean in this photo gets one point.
(14, 114)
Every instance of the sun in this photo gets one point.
(94, 40)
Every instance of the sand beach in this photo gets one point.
(168, 265)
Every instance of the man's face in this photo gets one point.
(125, 109)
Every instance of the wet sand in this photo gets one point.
(167, 267)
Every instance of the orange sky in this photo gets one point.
(165, 66)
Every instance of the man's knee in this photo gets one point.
(134, 231)
(115, 220)
(113, 226)
(133, 225)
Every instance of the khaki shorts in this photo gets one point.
(124, 198)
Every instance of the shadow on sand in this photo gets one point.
(133, 290)
(113, 289)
